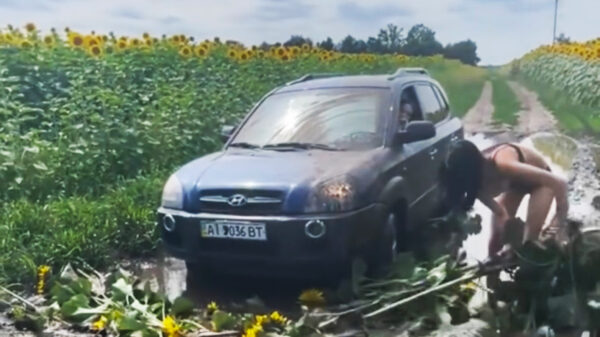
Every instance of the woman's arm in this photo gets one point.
(499, 218)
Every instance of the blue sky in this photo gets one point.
(503, 29)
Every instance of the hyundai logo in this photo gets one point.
(237, 200)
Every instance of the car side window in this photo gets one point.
(442, 99)
(409, 107)
(430, 106)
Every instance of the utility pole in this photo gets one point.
(555, 13)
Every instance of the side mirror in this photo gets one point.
(226, 132)
(415, 131)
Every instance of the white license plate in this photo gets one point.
(234, 230)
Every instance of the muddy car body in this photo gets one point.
(323, 170)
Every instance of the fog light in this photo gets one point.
(169, 222)
(314, 229)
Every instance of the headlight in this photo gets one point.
(172, 196)
(333, 195)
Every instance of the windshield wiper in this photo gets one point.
(244, 145)
(300, 145)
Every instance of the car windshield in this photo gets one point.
(345, 119)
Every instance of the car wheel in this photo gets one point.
(197, 273)
(387, 247)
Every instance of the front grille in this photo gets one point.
(241, 201)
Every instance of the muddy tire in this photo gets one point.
(197, 273)
(386, 250)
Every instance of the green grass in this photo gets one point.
(462, 84)
(506, 104)
(80, 230)
(575, 119)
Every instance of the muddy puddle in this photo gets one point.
(571, 159)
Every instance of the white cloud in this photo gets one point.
(502, 29)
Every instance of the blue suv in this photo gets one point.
(323, 170)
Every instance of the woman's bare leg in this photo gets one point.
(511, 201)
(537, 211)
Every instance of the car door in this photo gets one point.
(435, 109)
(415, 167)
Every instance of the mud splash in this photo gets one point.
(571, 159)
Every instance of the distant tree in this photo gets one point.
(421, 41)
(347, 44)
(391, 38)
(326, 44)
(265, 46)
(563, 39)
(351, 45)
(298, 41)
(374, 45)
(465, 51)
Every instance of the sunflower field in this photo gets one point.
(567, 78)
(91, 125)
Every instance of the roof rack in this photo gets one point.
(408, 71)
(309, 77)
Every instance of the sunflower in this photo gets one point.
(75, 40)
(244, 56)
(146, 35)
(91, 40)
(185, 51)
(41, 275)
(30, 27)
(277, 318)
(170, 327)
(280, 51)
(211, 307)
(232, 53)
(260, 53)
(200, 51)
(49, 40)
(312, 298)
(25, 44)
(295, 51)
(95, 50)
(100, 323)
(148, 42)
(135, 42)
(284, 57)
(122, 44)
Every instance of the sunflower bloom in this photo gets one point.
(278, 318)
(200, 51)
(170, 327)
(49, 40)
(146, 35)
(122, 44)
(185, 51)
(135, 42)
(25, 44)
(253, 331)
(75, 40)
(95, 50)
(211, 307)
(312, 298)
(232, 53)
(30, 27)
(100, 323)
(42, 272)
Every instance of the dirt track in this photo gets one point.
(533, 116)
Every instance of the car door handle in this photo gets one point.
(433, 152)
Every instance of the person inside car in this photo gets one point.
(500, 177)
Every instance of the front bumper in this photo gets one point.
(288, 251)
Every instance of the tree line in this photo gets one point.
(420, 40)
